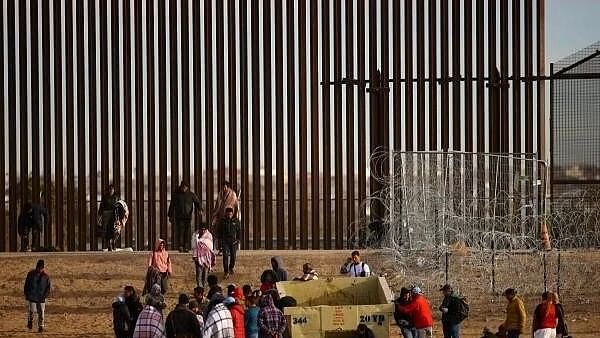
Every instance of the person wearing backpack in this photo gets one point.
(454, 310)
(358, 268)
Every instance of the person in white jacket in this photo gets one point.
(202, 253)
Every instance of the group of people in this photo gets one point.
(414, 316)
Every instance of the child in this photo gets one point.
(213, 286)
(268, 280)
(251, 316)
(308, 273)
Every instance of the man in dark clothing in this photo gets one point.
(183, 203)
(451, 312)
(278, 269)
(122, 319)
(37, 287)
(403, 320)
(32, 219)
(182, 322)
(229, 232)
(134, 305)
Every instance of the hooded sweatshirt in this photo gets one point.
(37, 286)
(278, 268)
(159, 258)
(237, 315)
(271, 321)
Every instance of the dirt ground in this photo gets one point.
(84, 285)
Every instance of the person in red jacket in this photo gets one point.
(419, 312)
(237, 315)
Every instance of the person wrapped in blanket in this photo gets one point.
(159, 267)
(202, 253)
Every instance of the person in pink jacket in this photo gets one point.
(159, 267)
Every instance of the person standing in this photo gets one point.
(106, 214)
(36, 290)
(271, 321)
(183, 203)
(358, 268)
(561, 329)
(251, 316)
(545, 318)
(132, 300)
(218, 323)
(278, 268)
(159, 267)
(516, 316)
(149, 323)
(237, 316)
(226, 199)
(229, 234)
(403, 320)
(202, 253)
(454, 310)
(182, 322)
(419, 312)
(122, 318)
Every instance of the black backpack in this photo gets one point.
(463, 309)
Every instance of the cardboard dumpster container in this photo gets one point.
(334, 307)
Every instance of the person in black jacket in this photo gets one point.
(106, 214)
(229, 232)
(362, 331)
(403, 320)
(182, 322)
(183, 203)
(134, 305)
(37, 288)
(122, 321)
(33, 219)
(451, 312)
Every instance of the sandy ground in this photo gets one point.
(84, 285)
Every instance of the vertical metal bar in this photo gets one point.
(385, 73)
(421, 75)
(58, 120)
(35, 113)
(432, 7)
(314, 132)
(139, 133)
(185, 91)
(81, 128)
(150, 57)
(232, 122)
(47, 120)
(256, 187)
(116, 109)
(408, 74)
(162, 120)
(397, 65)
(220, 77)
(303, 137)
(326, 94)
(528, 64)
(468, 56)
(337, 92)
(4, 109)
(541, 71)
(24, 142)
(504, 76)
(70, 219)
(104, 141)
(456, 123)
(127, 124)
(362, 161)
(92, 127)
(494, 118)
(280, 174)
(350, 145)
(12, 125)
(516, 67)
(267, 117)
(208, 105)
(243, 48)
(444, 55)
(291, 124)
(174, 139)
(480, 71)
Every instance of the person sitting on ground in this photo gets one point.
(237, 316)
(213, 286)
(561, 328)
(134, 305)
(150, 321)
(516, 316)
(344, 268)
(156, 299)
(454, 310)
(229, 234)
(251, 316)
(545, 318)
(36, 290)
(419, 312)
(202, 253)
(308, 273)
(122, 319)
(362, 331)
(159, 267)
(218, 323)
(358, 268)
(182, 322)
(403, 320)
(268, 280)
(271, 321)
(195, 308)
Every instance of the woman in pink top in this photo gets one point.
(159, 267)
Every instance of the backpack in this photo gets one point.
(463, 309)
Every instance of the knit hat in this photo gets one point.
(416, 290)
(228, 301)
(40, 264)
(155, 290)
